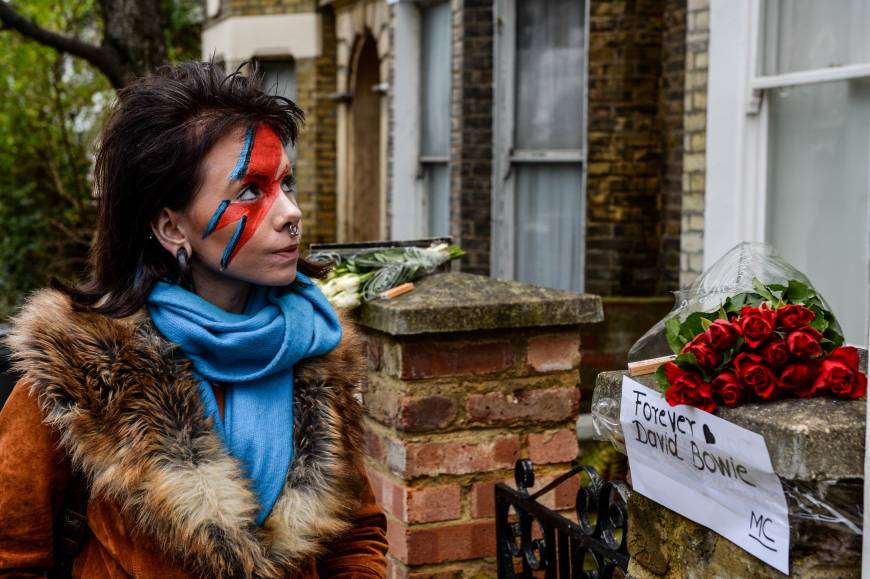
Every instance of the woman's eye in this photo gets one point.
(249, 193)
(288, 184)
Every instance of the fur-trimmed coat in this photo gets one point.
(115, 401)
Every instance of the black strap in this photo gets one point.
(70, 528)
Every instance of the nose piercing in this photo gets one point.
(294, 230)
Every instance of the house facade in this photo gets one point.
(543, 136)
(567, 142)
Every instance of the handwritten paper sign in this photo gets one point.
(706, 469)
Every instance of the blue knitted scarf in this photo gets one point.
(252, 355)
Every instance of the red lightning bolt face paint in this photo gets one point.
(258, 165)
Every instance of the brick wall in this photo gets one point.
(448, 415)
(694, 141)
(634, 127)
(625, 150)
(255, 7)
(471, 131)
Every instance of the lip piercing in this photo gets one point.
(294, 230)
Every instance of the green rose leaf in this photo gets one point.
(762, 290)
(662, 379)
(798, 292)
(672, 333)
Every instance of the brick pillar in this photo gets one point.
(471, 131)
(467, 375)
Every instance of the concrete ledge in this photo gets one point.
(808, 440)
(461, 302)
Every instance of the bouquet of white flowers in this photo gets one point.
(369, 275)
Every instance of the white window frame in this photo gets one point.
(406, 195)
(505, 155)
(409, 212)
(737, 125)
(422, 184)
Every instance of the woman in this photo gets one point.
(199, 383)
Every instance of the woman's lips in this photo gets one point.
(290, 252)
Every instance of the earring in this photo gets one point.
(185, 278)
(294, 230)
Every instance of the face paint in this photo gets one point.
(258, 164)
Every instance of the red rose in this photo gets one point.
(752, 372)
(756, 324)
(707, 357)
(775, 353)
(805, 343)
(839, 373)
(793, 316)
(728, 388)
(687, 387)
(799, 379)
(721, 335)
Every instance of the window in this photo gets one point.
(279, 78)
(540, 134)
(803, 136)
(435, 116)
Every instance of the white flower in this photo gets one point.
(346, 300)
(347, 283)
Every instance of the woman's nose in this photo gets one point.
(287, 212)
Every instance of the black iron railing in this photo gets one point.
(535, 541)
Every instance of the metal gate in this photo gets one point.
(535, 541)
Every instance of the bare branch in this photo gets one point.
(101, 57)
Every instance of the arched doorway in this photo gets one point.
(364, 194)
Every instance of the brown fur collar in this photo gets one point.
(130, 417)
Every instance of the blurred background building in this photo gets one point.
(562, 143)
(565, 143)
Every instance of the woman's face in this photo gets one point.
(244, 222)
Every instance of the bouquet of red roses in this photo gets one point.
(774, 342)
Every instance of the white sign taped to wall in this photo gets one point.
(706, 469)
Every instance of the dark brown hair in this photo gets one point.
(149, 157)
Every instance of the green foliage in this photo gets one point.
(51, 109)
(662, 379)
(182, 28)
(50, 106)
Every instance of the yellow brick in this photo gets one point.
(695, 122)
(694, 162)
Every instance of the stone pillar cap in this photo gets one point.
(462, 302)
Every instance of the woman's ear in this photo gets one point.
(168, 232)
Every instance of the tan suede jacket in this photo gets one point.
(116, 400)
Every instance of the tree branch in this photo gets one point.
(101, 57)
